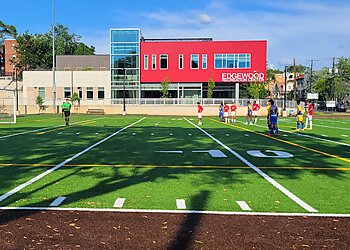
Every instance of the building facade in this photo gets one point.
(140, 65)
(10, 55)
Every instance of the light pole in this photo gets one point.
(53, 58)
(124, 108)
(16, 75)
(285, 88)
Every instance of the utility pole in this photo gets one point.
(310, 80)
(285, 88)
(53, 59)
(295, 80)
(332, 85)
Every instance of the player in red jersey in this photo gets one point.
(200, 110)
(233, 112)
(310, 112)
(255, 107)
(226, 112)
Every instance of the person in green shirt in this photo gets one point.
(66, 106)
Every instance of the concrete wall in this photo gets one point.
(81, 62)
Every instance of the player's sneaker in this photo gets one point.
(246, 123)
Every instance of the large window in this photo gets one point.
(232, 61)
(204, 61)
(163, 61)
(154, 61)
(125, 48)
(101, 93)
(194, 61)
(90, 93)
(181, 61)
(125, 36)
(67, 93)
(145, 62)
(41, 92)
(80, 92)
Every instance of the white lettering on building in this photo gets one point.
(243, 77)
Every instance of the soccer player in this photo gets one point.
(200, 110)
(66, 106)
(256, 107)
(226, 110)
(248, 119)
(268, 114)
(310, 111)
(273, 115)
(221, 112)
(233, 112)
(300, 118)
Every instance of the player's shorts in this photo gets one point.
(233, 113)
(66, 113)
(225, 114)
(273, 120)
(249, 113)
(309, 117)
(255, 113)
(300, 118)
(199, 115)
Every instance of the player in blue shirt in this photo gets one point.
(273, 115)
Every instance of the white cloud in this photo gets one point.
(205, 18)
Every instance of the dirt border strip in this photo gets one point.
(289, 194)
(38, 177)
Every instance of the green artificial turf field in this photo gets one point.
(168, 163)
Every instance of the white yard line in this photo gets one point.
(57, 201)
(243, 205)
(176, 212)
(46, 128)
(119, 202)
(323, 126)
(180, 204)
(308, 136)
(292, 196)
(38, 177)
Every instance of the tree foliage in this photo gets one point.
(165, 87)
(211, 86)
(257, 90)
(35, 50)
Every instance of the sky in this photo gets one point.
(304, 30)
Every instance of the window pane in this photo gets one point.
(181, 63)
(154, 60)
(145, 62)
(41, 92)
(194, 61)
(204, 61)
(90, 93)
(230, 61)
(67, 92)
(218, 61)
(101, 93)
(163, 61)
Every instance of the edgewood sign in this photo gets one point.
(243, 77)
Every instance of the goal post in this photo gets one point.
(8, 106)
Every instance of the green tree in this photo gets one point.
(165, 87)
(35, 50)
(39, 101)
(75, 98)
(5, 31)
(211, 86)
(257, 90)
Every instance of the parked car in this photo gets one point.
(340, 107)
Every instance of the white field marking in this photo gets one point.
(38, 177)
(133, 133)
(344, 135)
(177, 212)
(278, 154)
(152, 134)
(325, 135)
(331, 127)
(213, 153)
(310, 136)
(227, 135)
(190, 134)
(42, 129)
(119, 202)
(170, 151)
(96, 133)
(289, 194)
(170, 134)
(246, 135)
(180, 204)
(57, 201)
(59, 133)
(78, 133)
(244, 206)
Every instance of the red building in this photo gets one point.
(10, 55)
(189, 63)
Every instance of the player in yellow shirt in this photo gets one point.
(300, 117)
(268, 115)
